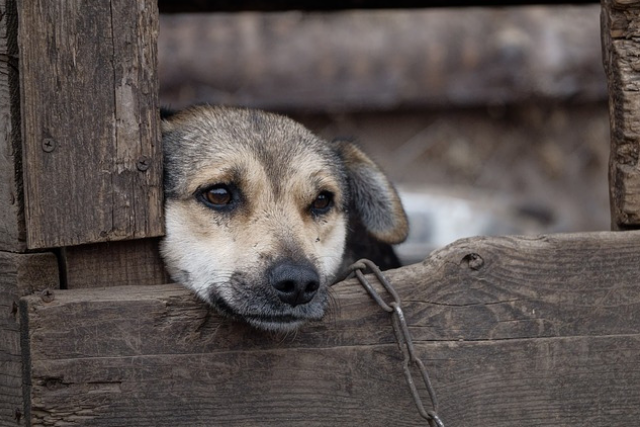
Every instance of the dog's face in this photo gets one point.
(257, 212)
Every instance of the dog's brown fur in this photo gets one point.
(268, 254)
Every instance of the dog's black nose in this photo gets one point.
(295, 283)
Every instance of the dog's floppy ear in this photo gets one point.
(165, 119)
(373, 198)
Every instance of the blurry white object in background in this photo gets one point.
(438, 217)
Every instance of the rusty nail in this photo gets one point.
(17, 415)
(474, 261)
(47, 295)
(48, 145)
(143, 163)
(14, 309)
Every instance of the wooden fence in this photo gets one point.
(534, 331)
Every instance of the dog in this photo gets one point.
(262, 216)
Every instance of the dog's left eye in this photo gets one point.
(322, 203)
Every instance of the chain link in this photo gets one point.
(403, 337)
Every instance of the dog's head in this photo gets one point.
(258, 208)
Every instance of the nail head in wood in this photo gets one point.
(47, 295)
(48, 145)
(143, 163)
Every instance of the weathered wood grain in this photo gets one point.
(626, 3)
(93, 164)
(12, 232)
(515, 331)
(20, 275)
(621, 49)
(543, 382)
(382, 60)
(132, 262)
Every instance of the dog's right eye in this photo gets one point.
(219, 196)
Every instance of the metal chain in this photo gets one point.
(403, 337)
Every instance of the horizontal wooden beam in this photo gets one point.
(515, 331)
(191, 6)
(381, 61)
(132, 262)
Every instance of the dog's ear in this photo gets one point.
(165, 119)
(373, 198)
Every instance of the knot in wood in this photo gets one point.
(474, 261)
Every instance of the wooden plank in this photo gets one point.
(133, 262)
(543, 382)
(192, 6)
(382, 60)
(515, 331)
(621, 49)
(12, 232)
(20, 275)
(93, 164)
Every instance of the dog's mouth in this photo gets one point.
(275, 323)
(272, 320)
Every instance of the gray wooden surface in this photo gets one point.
(20, 275)
(621, 42)
(92, 161)
(133, 262)
(12, 232)
(383, 60)
(514, 331)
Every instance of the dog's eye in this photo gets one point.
(218, 197)
(322, 203)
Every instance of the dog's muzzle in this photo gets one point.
(289, 294)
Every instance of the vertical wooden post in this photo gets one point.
(80, 159)
(12, 232)
(92, 159)
(621, 54)
(20, 275)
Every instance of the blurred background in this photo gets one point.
(489, 120)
